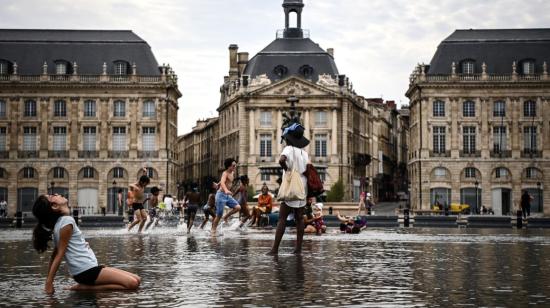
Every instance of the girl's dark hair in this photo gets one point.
(228, 162)
(355, 230)
(47, 218)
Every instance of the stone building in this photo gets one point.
(80, 113)
(253, 100)
(480, 120)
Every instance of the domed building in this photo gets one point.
(253, 102)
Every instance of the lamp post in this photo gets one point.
(52, 184)
(540, 196)
(477, 199)
(115, 205)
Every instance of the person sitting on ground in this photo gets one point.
(209, 209)
(153, 207)
(53, 215)
(265, 205)
(315, 224)
(352, 225)
(308, 216)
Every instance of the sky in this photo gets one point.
(377, 42)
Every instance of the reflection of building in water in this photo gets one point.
(84, 111)
(252, 103)
(480, 121)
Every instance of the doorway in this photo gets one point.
(502, 201)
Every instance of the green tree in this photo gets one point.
(336, 192)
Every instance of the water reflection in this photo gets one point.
(403, 267)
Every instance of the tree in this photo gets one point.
(336, 192)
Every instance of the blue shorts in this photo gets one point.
(222, 200)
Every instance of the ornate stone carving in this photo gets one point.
(260, 80)
(294, 88)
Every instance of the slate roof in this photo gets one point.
(88, 48)
(498, 48)
(292, 53)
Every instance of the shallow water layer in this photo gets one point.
(384, 267)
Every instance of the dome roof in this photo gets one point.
(286, 57)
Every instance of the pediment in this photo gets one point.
(293, 87)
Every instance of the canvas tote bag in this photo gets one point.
(292, 187)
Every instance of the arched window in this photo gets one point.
(306, 71)
(440, 172)
(467, 67)
(88, 173)
(501, 173)
(532, 173)
(28, 173)
(280, 71)
(121, 68)
(470, 173)
(118, 173)
(58, 173)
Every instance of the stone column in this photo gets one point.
(307, 133)
(104, 127)
(252, 133)
(454, 127)
(162, 134)
(545, 130)
(43, 110)
(514, 129)
(133, 111)
(278, 131)
(334, 133)
(484, 126)
(73, 131)
(16, 109)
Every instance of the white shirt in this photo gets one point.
(296, 159)
(168, 201)
(79, 256)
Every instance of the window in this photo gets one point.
(88, 173)
(529, 109)
(439, 139)
(59, 138)
(470, 173)
(306, 71)
(499, 139)
(265, 177)
(528, 67)
(529, 139)
(499, 109)
(30, 108)
(469, 109)
(321, 145)
(323, 176)
(439, 108)
(29, 138)
(118, 173)
(531, 173)
(149, 139)
(440, 172)
(59, 109)
(121, 68)
(4, 67)
(89, 138)
(119, 139)
(149, 109)
(89, 108)
(468, 67)
(501, 173)
(265, 118)
(61, 68)
(120, 109)
(2, 109)
(28, 173)
(265, 145)
(280, 71)
(150, 172)
(3, 134)
(58, 173)
(321, 118)
(469, 141)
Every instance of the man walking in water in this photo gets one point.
(224, 196)
(192, 200)
(136, 198)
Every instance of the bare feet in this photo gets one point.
(272, 253)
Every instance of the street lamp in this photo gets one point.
(539, 208)
(52, 184)
(477, 199)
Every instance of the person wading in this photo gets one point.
(136, 198)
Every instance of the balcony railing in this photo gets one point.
(148, 154)
(503, 154)
(119, 154)
(418, 77)
(528, 153)
(463, 153)
(440, 154)
(58, 154)
(89, 78)
(4, 154)
(88, 154)
(28, 154)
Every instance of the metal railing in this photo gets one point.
(148, 154)
(58, 154)
(503, 154)
(28, 154)
(119, 154)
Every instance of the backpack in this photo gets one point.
(314, 184)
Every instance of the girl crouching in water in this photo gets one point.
(52, 213)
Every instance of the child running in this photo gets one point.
(136, 198)
(153, 207)
(209, 208)
(192, 200)
(52, 213)
(224, 195)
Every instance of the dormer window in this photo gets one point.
(4, 67)
(306, 71)
(468, 67)
(280, 71)
(61, 67)
(121, 68)
(528, 67)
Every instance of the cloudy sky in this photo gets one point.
(377, 42)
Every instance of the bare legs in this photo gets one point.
(281, 227)
(141, 218)
(111, 279)
(235, 210)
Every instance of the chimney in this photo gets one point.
(242, 61)
(233, 66)
(391, 105)
(330, 51)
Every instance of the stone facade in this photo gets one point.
(64, 129)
